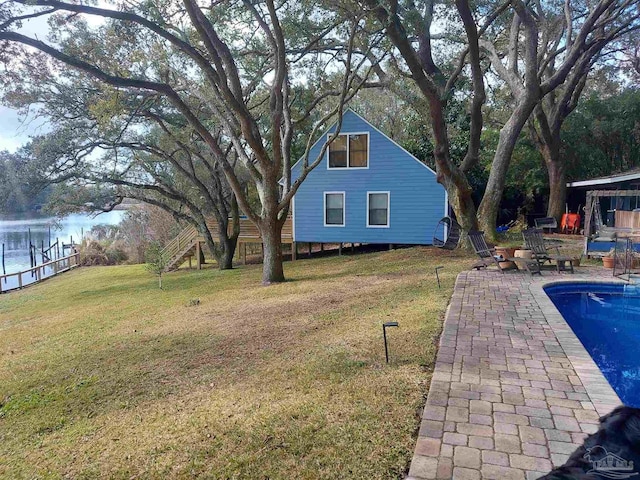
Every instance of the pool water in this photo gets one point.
(606, 319)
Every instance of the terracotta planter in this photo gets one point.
(522, 253)
(506, 252)
(607, 262)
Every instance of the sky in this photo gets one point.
(12, 134)
(15, 129)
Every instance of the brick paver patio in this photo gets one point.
(513, 392)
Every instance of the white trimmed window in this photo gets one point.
(334, 209)
(349, 150)
(378, 209)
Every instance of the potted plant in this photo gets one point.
(525, 253)
(608, 259)
(505, 252)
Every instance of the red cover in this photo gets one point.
(570, 223)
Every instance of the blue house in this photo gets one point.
(368, 189)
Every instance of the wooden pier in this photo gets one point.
(38, 273)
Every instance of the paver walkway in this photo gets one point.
(513, 392)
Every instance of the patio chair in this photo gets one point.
(489, 257)
(535, 242)
(549, 223)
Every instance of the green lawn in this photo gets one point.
(104, 375)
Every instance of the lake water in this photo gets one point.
(14, 234)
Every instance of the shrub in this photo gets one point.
(156, 262)
(92, 253)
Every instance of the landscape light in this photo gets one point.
(384, 334)
(438, 276)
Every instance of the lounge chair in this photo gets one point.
(489, 257)
(535, 242)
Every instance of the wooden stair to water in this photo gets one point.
(189, 242)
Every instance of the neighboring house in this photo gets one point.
(367, 189)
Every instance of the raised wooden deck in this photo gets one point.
(249, 233)
(189, 242)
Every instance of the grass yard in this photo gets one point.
(104, 375)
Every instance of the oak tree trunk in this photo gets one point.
(270, 227)
(556, 170)
(461, 201)
(272, 269)
(225, 262)
(225, 249)
(490, 204)
(450, 176)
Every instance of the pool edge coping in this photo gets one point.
(598, 388)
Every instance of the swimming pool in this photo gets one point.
(606, 319)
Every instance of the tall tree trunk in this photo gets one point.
(461, 201)
(490, 204)
(556, 170)
(225, 249)
(449, 175)
(272, 269)
(225, 262)
(271, 231)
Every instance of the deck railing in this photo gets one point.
(248, 233)
(176, 246)
(38, 273)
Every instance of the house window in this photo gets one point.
(349, 150)
(338, 152)
(377, 209)
(334, 209)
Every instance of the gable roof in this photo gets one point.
(633, 174)
(350, 110)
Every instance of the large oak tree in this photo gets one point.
(236, 58)
(542, 56)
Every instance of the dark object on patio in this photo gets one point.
(612, 452)
(505, 227)
(488, 255)
(450, 229)
(535, 242)
(546, 222)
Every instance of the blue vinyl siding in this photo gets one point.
(417, 201)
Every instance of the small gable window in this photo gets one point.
(378, 209)
(349, 150)
(334, 209)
